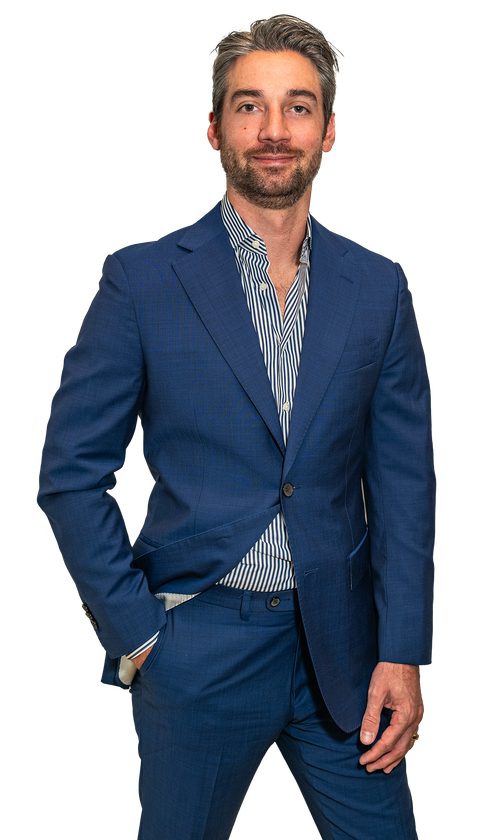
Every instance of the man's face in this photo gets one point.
(272, 133)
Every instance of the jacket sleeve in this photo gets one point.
(399, 487)
(93, 419)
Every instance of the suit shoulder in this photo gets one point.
(165, 247)
(363, 257)
(171, 246)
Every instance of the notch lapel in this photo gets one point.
(211, 280)
(333, 294)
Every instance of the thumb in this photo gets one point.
(370, 722)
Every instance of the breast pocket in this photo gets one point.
(358, 357)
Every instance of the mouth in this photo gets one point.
(273, 160)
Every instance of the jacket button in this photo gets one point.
(274, 602)
(91, 617)
(287, 489)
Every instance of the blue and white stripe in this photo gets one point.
(267, 567)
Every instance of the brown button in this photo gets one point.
(90, 615)
(274, 602)
(287, 489)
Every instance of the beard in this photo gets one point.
(271, 188)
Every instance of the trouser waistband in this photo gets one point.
(246, 600)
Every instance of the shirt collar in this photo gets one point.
(243, 238)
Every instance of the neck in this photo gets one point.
(283, 231)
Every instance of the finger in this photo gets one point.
(371, 721)
(379, 750)
(390, 737)
(390, 759)
(386, 768)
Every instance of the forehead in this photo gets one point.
(274, 73)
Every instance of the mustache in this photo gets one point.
(281, 149)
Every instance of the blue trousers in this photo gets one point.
(230, 675)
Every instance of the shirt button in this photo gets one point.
(263, 287)
(287, 489)
(255, 243)
(285, 406)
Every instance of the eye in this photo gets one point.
(299, 109)
(248, 108)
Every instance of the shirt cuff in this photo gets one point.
(144, 646)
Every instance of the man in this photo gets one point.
(280, 381)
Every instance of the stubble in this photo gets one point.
(271, 188)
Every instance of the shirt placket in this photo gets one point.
(279, 332)
(287, 382)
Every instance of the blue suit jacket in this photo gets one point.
(169, 337)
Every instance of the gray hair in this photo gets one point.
(277, 34)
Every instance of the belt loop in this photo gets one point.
(245, 605)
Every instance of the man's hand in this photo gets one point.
(395, 687)
(138, 660)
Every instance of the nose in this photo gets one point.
(274, 127)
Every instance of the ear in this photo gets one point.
(330, 135)
(213, 132)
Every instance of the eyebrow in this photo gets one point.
(256, 94)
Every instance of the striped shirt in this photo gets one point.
(268, 566)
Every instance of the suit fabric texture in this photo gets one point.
(229, 676)
(169, 338)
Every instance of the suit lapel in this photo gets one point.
(211, 280)
(333, 294)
